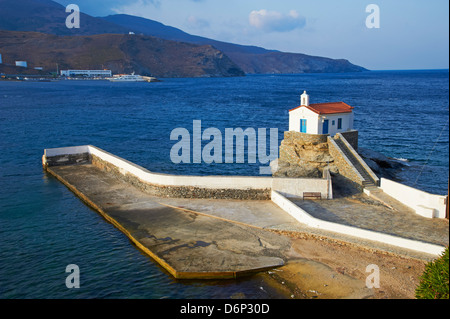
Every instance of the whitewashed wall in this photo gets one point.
(312, 126)
(290, 186)
(303, 217)
(425, 204)
(315, 124)
(347, 123)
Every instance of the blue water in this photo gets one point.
(44, 227)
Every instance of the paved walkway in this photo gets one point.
(267, 215)
(183, 234)
(364, 212)
(188, 245)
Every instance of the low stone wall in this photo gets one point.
(69, 159)
(181, 191)
(306, 138)
(66, 156)
(355, 154)
(346, 169)
(352, 138)
(295, 187)
(184, 186)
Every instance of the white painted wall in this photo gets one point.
(303, 217)
(228, 182)
(315, 122)
(295, 187)
(347, 123)
(291, 186)
(312, 126)
(244, 182)
(425, 204)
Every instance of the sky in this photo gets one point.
(410, 34)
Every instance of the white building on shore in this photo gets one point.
(323, 118)
(86, 73)
(22, 64)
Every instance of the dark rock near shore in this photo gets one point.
(380, 164)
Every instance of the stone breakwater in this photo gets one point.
(180, 191)
(186, 186)
(103, 181)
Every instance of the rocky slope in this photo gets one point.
(251, 59)
(49, 17)
(120, 53)
(307, 155)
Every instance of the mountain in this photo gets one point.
(121, 53)
(46, 16)
(157, 29)
(251, 59)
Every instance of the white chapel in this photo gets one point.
(322, 118)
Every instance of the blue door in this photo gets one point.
(303, 126)
(325, 127)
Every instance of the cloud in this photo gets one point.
(197, 23)
(273, 21)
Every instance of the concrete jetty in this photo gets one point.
(208, 227)
(188, 245)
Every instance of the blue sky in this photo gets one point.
(413, 34)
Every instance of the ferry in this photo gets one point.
(132, 78)
(127, 78)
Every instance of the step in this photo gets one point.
(368, 181)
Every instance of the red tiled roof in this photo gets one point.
(328, 108)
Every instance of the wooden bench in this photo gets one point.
(311, 195)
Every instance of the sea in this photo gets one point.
(44, 227)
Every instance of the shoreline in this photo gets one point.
(181, 233)
(325, 268)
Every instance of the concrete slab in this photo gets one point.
(364, 212)
(258, 213)
(187, 244)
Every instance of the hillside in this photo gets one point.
(49, 17)
(251, 59)
(120, 53)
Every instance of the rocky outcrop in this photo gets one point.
(382, 165)
(303, 155)
(307, 155)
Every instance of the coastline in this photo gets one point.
(255, 236)
(326, 268)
